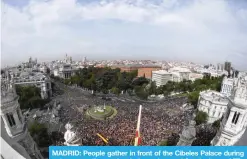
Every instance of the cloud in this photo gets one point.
(198, 30)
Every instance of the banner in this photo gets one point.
(148, 152)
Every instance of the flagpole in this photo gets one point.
(137, 137)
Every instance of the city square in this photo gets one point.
(159, 121)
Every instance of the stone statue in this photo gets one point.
(188, 135)
(70, 136)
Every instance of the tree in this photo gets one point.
(216, 124)
(29, 97)
(201, 117)
(163, 143)
(141, 93)
(67, 81)
(159, 90)
(140, 81)
(115, 90)
(166, 93)
(152, 88)
(193, 98)
(36, 102)
(39, 133)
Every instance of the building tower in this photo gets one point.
(228, 66)
(235, 120)
(15, 132)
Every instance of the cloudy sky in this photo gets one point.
(204, 31)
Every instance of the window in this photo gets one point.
(11, 119)
(237, 118)
(234, 117)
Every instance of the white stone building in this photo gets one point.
(175, 74)
(43, 68)
(180, 74)
(234, 123)
(226, 86)
(16, 141)
(213, 103)
(64, 71)
(161, 77)
(36, 79)
(195, 76)
(68, 59)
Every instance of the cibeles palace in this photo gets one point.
(230, 105)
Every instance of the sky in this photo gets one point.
(202, 31)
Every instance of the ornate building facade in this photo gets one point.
(14, 131)
(234, 123)
(213, 103)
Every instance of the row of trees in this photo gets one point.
(105, 79)
(29, 97)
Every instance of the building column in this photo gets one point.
(240, 121)
(6, 122)
(210, 113)
(17, 121)
(229, 120)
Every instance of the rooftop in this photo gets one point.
(214, 96)
(163, 72)
(30, 76)
(138, 66)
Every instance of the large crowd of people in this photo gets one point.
(159, 119)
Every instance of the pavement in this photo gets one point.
(243, 140)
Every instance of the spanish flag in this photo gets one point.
(104, 139)
(137, 135)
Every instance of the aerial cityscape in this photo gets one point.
(64, 86)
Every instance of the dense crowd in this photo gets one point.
(159, 120)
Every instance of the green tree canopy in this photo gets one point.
(29, 97)
(201, 117)
(39, 133)
(163, 143)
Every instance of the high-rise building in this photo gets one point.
(161, 77)
(228, 66)
(220, 67)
